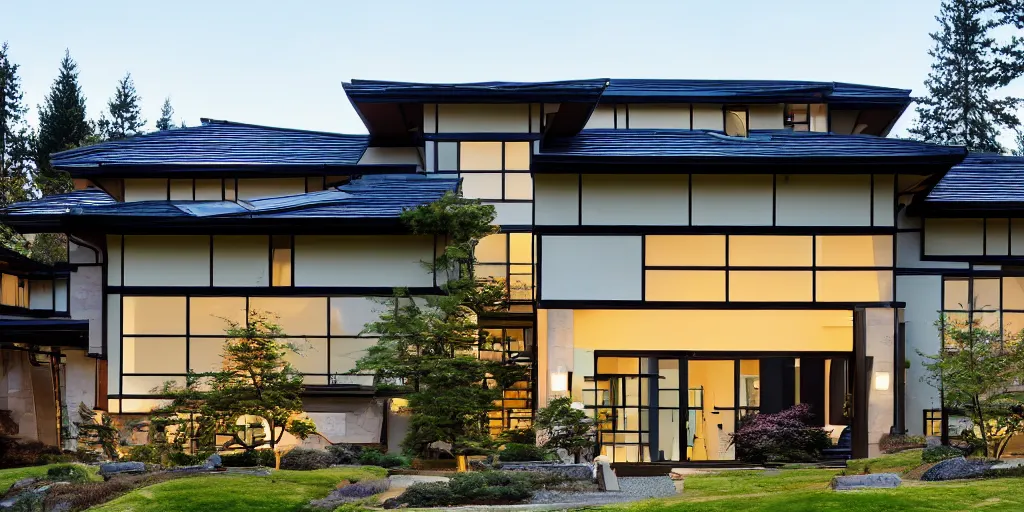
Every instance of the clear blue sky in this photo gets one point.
(281, 63)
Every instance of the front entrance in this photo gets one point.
(669, 407)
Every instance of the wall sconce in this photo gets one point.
(882, 381)
(560, 380)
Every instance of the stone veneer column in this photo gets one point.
(559, 349)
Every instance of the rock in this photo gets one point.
(570, 471)
(213, 462)
(955, 469)
(872, 481)
(565, 456)
(121, 468)
(21, 484)
(1009, 464)
(606, 479)
(932, 441)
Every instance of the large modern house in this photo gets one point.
(679, 253)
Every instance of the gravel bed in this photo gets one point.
(633, 489)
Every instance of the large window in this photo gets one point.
(802, 117)
(768, 268)
(996, 303)
(165, 337)
(509, 257)
(13, 291)
(489, 170)
(515, 407)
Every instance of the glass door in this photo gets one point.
(711, 400)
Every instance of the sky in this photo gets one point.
(282, 63)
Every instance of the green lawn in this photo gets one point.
(282, 491)
(9, 476)
(807, 490)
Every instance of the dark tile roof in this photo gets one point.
(711, 147)
(775, 91)
(219, 144)
(981, 181)
(380, 91)
(373, 196)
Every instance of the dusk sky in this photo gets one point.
(282, 63)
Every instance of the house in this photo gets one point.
(679, 253)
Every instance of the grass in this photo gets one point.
(807, 490)
(9, 476)
(281, 491)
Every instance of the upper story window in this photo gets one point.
(13, 291)
(489, 170)
(737, 121)
(803, 117)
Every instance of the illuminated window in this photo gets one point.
(854, 251)
(508, 257)
(771, 286)
(854, 286)
(153, 315)
(480, 156)
(482, 185)
(153, 355)
(490, 170)
(685, 285)
(685, 250)
(281, 261)
(736, 121)
(933, 422)
(993, 303)
(297, 316)
(229, 190)
(802, 117)
(211, 315)
(770, 251)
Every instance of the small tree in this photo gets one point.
(427, 347)
(256, 381)
(166, 122)
(977, 370)
(567, 428)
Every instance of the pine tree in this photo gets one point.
(62, 125)
(125, 114)
(15, 147)
(166, 113)
(969, 65)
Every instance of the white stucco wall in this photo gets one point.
(556, 199)
(166, 260)
(362, 260)
(732, 200)
(647, 200)
(591, 268)
(823, 200)
(459, 118)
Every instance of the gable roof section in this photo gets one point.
(373, 201)
(380, 91)
(982, 183)
(220, 146)
(751, 91)
(667, 150)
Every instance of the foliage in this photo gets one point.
(67, 473)
(99, 434)
(892, 443)
(15, 454)
(147, 453)
(49, 248)
(516, 452)
(347, 494)
(519, 435)
(345, 453)
(165, 122)
(429, 494)
(567, 428)
(974, 372)
(384, 460)
(304, 459)
(125, 114)
(429, 347)
(969, 66)
(62, 125)
(247, 459)
(477, 488)
(781, 437)
(939, 453)
(256, 381)
(16, 141)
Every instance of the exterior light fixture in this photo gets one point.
(882, 381)
(560, 380)
(577, 405)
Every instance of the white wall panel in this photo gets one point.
(948, 237)
(732, 200)
(114, 260)
(147, 189)
(708, 117)
(591, 268)
(61, 295)
(40, 294)
(457, 118)
(512, 214)
(556, 199)
(171, 260)
(270, 187)
(81, 254)
(766, 117)
(349, 315)
(241, 260)
(923, 295)
(659, 116)
(908, 253)
(823, 200)
(997, 237)
(885, 206)
(1017, 237)
(391, 156)
(603, 117)
(429, 118)
(640, 200)
(113, 341)
(86, 298)
(362, 260)
(209, 190)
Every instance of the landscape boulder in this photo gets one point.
(121, 468)
(872, 481)
(956, 469)
(213, 462)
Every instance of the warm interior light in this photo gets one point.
(560, 379)
(577, 405)
(882, 381)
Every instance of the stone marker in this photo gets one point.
(872, 481)
(121, 468)
(213, 462)
(606, 479)
(955, 469)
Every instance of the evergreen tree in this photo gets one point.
(166, 113)
(62, 125)
(969, 65)
(125, 114)
(15, 147)
(1018, 140)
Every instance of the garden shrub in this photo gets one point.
(80, 496)
(519, 436)
(143, 453)
(892, 443)
(305, 459)
(345, 453)
(780, 437)
(940, 453)
(476, 488)
(351, 493)
(178, 458)
(430, 494)
(248, 459)
(516, 452)
(73, 473)
(15, 454)
(384, 460)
